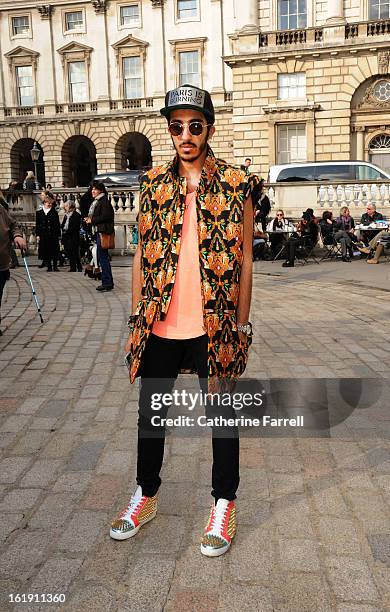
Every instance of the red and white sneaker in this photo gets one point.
(220, 529)
(139, 511)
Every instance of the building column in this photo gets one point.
(247, 14)
(335, 11)
(359, 142)
(215, 47)
(158, 49)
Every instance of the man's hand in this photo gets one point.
(88, 220)
(20, 243)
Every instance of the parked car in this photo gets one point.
(129, 178)
(332, 172)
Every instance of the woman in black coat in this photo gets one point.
(101, 216)
(70, 227)
(48, 231)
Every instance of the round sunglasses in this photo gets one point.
(176, 128)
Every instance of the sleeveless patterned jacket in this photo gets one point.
(220, 199)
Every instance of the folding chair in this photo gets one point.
(332, 251)
(385, 242)
(305, 252)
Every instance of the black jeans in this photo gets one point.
(4, 276)
(162, 360)
(293, 243)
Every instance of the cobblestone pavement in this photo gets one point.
(314, 530)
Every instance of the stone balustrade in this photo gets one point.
(294, 198)
(124, 200)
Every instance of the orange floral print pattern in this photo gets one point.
(221, 195)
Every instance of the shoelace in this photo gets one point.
(131, 508)
(218, 521)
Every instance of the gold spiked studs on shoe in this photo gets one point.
(220, 529)
(139, 511)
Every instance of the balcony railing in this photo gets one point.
(307, 36)
(293, 198)
(125, 202)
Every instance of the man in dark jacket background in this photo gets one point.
(8, 233)
(101, 216)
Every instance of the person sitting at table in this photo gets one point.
(259, 238)
(276, 229)
(345, 233)
(370, 216)
(327, 225)
(374, 246)
(306, 235)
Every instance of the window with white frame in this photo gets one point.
(379, 9)
(20, 25)
(24, 85)
(189, 68)
(130, 15)
(74, 21)
(187, 9)
(291, 85)
(132, 77)
(292, 14)
(291, 143)
(78, 86)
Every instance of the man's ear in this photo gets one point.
(211, 132)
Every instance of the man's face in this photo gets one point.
(247, 162)
(370, 210)
(189, 147)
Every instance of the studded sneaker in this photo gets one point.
(139, 511)
(220, 529)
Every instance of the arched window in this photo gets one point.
(379, 9)
(379, 151)
(292, 14)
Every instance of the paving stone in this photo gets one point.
(380, 546)
(299, 555)
(83, 531)
(91, 598)
(192, 601)
(351, 579)
(60, 445)
(15, 424)
(24, 554)
(42, 473)
(234, 598)
(102, 492)
(73, 482)
(56, 575)
(31, 442)
(54, 408)
(339, 536)
(148, 584)
(53, 511)
(8, 524)
(252, 556)
(12, 467)
(19, 499)
(303, 592)
(86, 456)
(357, 608)
(115, 462)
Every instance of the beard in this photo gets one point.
(196, 152)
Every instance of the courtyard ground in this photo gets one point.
(313, 511)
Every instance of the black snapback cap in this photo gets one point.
(189, 96)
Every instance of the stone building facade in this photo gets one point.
(292, 80)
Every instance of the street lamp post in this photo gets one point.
(35, 153)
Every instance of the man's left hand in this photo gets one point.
(20, 243)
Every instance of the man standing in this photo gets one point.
(191, 293)
(8, 231)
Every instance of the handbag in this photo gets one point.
(107, 241)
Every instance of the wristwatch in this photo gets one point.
(245, 329)
(131, 321)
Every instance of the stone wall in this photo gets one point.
(104, 133)
(330, 84)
